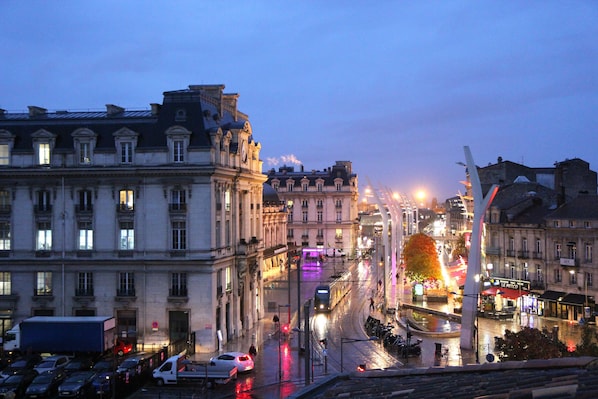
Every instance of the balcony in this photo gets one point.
(177, 208)
(42, 209)
(5, 209)
(125, 295)
(84, 296)
(42, 295)
(511, 252)
(83, 209)
(569, 262)
(124, 208)
(537, 255)
(523, 254)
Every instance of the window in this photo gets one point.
(4, 154)
(227, 233)
(571, 223)
(525, 272)
(573, 278)
(127, 236)
(339, 186)
(304, 216)
(589, 279)
(557, 250)
(319, 204)
(228, 275)
(338, 203)
(178, 151)
(572, 250)
(558, 275)
(338, 234)
(126, 200)
(588, 253)
(43, 283)
(290, 186)
(178, 284)
(5, 283)
(290, 217)
(43, 201)
(290, 233)
(538, 248)
(84, 153)
(319, 187)
(126, 284)
(587, 225)
(320, 216)
(177, 200)
(513, 272)
(539, 274)
(179, 235)
(304, 186)
(339, 216)
(181, 115)
(85, 201)
(85, 236)
(126, 152)
(4, 236)
(44, 236)
(320, 233)
(84, 284)
(218, 233)
(43, 153)
(555, 223)
(227, 200)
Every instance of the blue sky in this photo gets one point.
(396, 87)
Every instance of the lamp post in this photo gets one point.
(350, 340)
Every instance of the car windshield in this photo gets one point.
(43, 378)
(127, 364)
(102, 365)
(13, 379)
(45, 364)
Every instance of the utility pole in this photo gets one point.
(299, 304)
(307, 347)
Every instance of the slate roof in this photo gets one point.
(584, 206)
(552, 378)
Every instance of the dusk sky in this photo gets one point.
(396, 87)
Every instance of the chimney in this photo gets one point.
(112, 109)
(36, 111)
(155, 108)
(230, 100)
(214, 91)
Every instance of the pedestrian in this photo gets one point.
(372, 307)
(252, 351)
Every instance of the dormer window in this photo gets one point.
(178, 141)
(85, 141)
(6, 143)
(43, 144)
(125, 141)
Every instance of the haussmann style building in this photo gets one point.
(151, 216)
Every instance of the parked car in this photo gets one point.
(45, 385)
(104, 365)
(51, 363)
(243, 361)
(78, 364)
(103, 383)
(77, 385)
(122, 348)
(22, 363)
(15, 385)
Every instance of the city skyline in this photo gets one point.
(398, 88)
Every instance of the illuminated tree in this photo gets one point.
(421, 258)
(460, 250)
(529, 343)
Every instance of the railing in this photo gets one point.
(178, 292)
(84, 292)
(129, 292)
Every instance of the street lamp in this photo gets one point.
(350, 340)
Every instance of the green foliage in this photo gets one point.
(529, 343)
(421, 258)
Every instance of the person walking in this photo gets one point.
(372, 307)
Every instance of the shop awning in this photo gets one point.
(508, 293)
(552, 295)
(575, 299)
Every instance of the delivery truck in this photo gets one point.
(179, 368)
(57, 334)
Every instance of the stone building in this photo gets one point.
(151, 216)
(322, 206)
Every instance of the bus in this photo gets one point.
(327, 296)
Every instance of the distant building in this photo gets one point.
(152, 216)
(322, 206)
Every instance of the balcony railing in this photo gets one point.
(128, 292)
(537, 255)
(523, 254)
(124, 208)
(47, 208)
(178, 292)
(83, 208)
(177, 207)
(511, 252)
(84, 292)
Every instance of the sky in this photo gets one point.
(398, 88)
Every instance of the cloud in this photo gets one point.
(289, 159)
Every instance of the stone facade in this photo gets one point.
(151, 216)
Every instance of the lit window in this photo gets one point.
(4, 154)
(85, 236)
(43, 154)
(44, 236)
(127, 236)
(4, 236)
(43, 283)
(126, 200)
(227, 200)
(5, 283)
(228, 275)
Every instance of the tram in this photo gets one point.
(327, 296)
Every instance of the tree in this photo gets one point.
(588, 345)
(529, 343)
(460, 249)
(421, 258)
